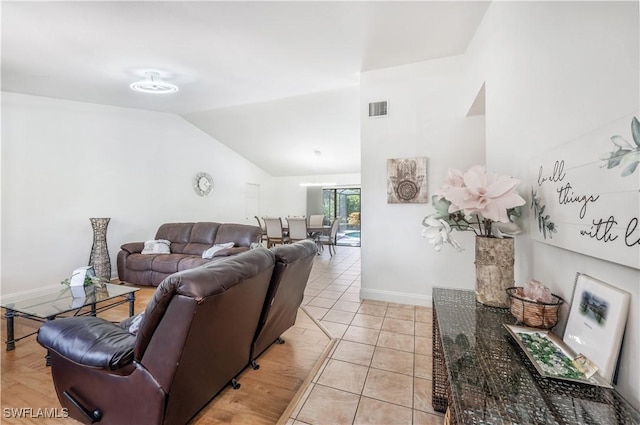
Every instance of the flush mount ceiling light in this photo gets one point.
(318, 184)
(153, 85)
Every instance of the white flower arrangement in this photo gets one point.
(475, 200)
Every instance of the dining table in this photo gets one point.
(311, 231)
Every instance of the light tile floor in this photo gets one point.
(379, 372)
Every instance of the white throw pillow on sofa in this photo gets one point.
(209, 253)
(160, 246)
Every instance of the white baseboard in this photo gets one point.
(396, 297)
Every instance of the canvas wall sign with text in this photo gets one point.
(585, 194)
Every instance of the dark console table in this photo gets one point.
(483, 376)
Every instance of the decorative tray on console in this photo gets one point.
(551, 357)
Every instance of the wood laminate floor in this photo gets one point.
(377, 370)
(263, 397)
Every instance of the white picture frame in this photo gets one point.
(596, 322)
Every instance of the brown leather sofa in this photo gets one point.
(188, 242)
(286, 291)
(201, 328)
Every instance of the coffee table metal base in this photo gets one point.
(11, 314)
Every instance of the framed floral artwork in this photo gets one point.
(596, 322)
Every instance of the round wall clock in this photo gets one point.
(203, 184)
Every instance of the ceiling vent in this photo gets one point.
(378, 109)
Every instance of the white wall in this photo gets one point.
(284, 196)
(65, 161)
(552, 71)
(555, 71)
(427, 117)
(283, 134)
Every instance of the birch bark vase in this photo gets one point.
(494, 270)
(99, 257)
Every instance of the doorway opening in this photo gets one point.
(344, 204)
(252, 202)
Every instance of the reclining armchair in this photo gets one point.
(290, 276)
(195, 338)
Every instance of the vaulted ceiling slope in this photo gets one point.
(282, 135)
(226, 54)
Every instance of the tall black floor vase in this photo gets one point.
(99, 257)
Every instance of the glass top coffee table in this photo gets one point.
(49, 304)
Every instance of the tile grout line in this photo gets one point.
(374, 344)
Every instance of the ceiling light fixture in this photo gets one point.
(153, 85)
(317, 184)
(317, 153)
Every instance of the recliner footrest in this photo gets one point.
(89, 340)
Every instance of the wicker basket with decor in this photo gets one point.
(533, 313)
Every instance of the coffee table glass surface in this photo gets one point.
(49, 303)
(53, 302)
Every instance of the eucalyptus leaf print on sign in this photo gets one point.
(626, 154)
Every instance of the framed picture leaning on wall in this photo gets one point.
(597, 318)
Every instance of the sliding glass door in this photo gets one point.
(343, 204)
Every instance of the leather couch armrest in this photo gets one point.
(88, 340)
(133, 247)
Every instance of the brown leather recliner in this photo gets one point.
(290, 276)
(195, 338)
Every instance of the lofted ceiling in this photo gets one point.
(274, 81)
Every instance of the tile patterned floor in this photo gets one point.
(379, 372)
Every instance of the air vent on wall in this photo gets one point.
(377, 109)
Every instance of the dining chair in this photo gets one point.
(316, 221)
(330, 239)
(263, 228)
(297, 228)
(316, 225)
(275, 231)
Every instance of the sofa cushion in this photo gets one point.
(178, 233)
(157, 277)
(141, 262)
(196, 248)
(241, 234)
(138, 276)
(160, 246)
(203, 234)
(167, 263)
(191, 261)
(90, 341)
